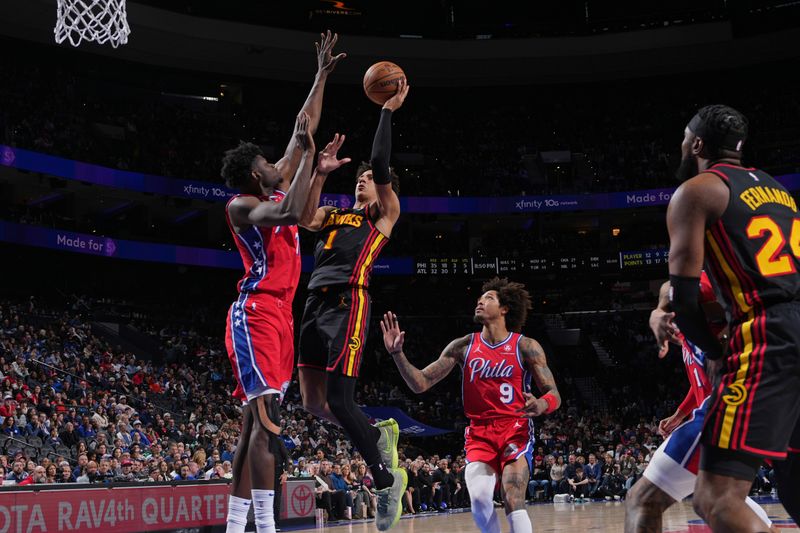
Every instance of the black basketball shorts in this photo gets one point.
(334, 329)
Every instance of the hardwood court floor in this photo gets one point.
(573, 518)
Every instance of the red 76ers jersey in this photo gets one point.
(695, 362)
(494, 378)
(270, 256)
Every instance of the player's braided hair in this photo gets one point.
(364, 166)
(238, 163)
(722, 120)
(513, 296)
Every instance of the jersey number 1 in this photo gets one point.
(329, 242)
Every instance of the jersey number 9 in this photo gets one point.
(506, 393)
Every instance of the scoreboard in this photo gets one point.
(542, 264)
(444, 266)
(643, 258)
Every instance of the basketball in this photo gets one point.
(380, 81)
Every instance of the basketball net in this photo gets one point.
(100, 21)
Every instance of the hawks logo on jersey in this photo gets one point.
(494, 378)
(337, 218)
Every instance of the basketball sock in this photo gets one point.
(263, 510)
(520, 522)
(237, 514)
(341, 394)
(762, 514)
(480, 479)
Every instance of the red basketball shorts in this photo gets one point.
(259, 338)
(499, 441)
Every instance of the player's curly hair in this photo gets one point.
(722, 120)
(515, 297)
(237, 163)
(364, 166)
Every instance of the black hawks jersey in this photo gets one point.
(347, 246)
(753, 250)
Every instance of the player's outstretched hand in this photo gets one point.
(326, 61)
(395, 102)
(301, 132)
(533, 406)
(392, 336)
(664, 330)
(327, 161)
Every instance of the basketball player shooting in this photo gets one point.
(334, 327)
(670, 477)
(497, 365)
(744, 225)
(259, 335)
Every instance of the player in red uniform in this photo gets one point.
(259, 334)
(672, 472)
(497, 366)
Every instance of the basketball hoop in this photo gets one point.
(100, 21)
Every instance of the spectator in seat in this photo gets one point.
(340, 485)
(594, 473)
(332, 500)
(10, 428)
(461, 494)
(613, 484)
(18, 473)
(9, 407)
(365, 487)
(51, 473)
(89, 474)
(83, 460)
(444, 485)
(578, 484)
(540, 479)
(39, 475)
(69, 437)
(426, 486)
(184, 473)
(557, 476)
(126, 473)
(64, 474)
(412, 497)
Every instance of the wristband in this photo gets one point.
(552, 403)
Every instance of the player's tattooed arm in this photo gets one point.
(536, 361)
(420, 380)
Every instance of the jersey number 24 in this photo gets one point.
(769, 258)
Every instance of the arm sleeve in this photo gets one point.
(691, 320)
(382, 149)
